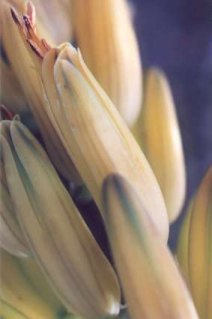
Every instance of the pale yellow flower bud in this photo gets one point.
(56, 234)
(150, 278)
(158, 134)
(95, 135)
(104, 33)
(18, 35)
(194, 249)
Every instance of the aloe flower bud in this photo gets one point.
(96, 137)
(87, 123)
(104, 33)
(152, 284)
(158, 134)
(194, 249)
(58, 237)
(27, 72)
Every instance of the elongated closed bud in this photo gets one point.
(96, 137)
(194, 249)
(89, 126)
(22, 32)
(105, 36)
(151, 281)
(158, 133)
(59, 239)
(24, 288)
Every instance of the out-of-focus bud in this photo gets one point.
(58, 237)
(194, 249)
(105, 36)
(158, 134)
(25, 292)
(17, 33)
(96, 137)
(151, 281)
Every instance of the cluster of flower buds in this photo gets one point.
(96, 127)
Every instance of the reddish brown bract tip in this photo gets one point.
(27, 27)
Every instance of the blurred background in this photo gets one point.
(177, 37)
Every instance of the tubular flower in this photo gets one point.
(194, 249)
(21, 33)
(151, 281)
(106, 38)
(98, 140)
(89, 126)
(55, 232)
(158, 134)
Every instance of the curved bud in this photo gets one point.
(105, 36)
(150, 278)
(157, 131)
(59, 239)
(94, 133)
(194, 249)
(20, 36)
(85, 121)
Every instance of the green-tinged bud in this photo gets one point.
(18, 34)
(25, 291)
(105, 36)
(88, 125)
(94, 133)
(194, 249)
(68, 102)
(58, 237)
(152, 284)
(158, 134)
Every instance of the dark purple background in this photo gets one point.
(176, 35)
